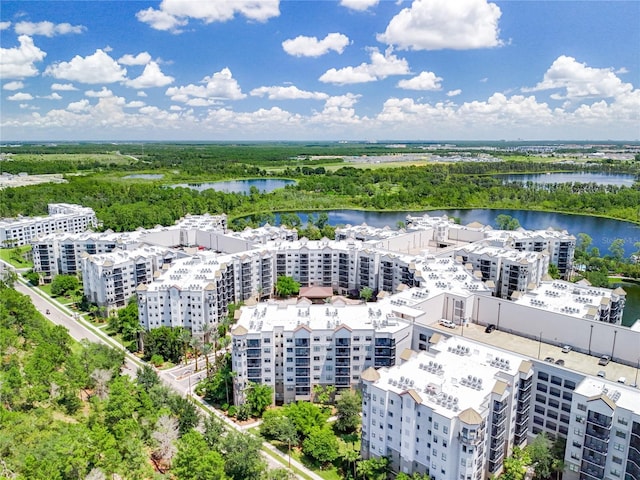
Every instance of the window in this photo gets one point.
(445, 430)
(582, 407)
(543, 376)
(621, 434)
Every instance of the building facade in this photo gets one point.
(62, 217)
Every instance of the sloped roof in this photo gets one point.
(470, 417)
(239, 330)
(370, 375)
(316, 292)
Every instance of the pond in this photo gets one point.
(263, 185)
(146, 176)
(619, 179)
(602, 230)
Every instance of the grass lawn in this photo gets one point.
(14, 256)
(46, 288)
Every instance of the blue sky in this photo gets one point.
(319, 70)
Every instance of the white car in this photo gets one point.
(447, 323)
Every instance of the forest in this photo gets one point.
(67, 412)
(95, 179)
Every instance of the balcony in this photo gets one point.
(598, 432)
(599, 420)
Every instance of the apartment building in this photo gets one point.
(294, 346)
(61, 253)
(63, 217)
(455, 411)
(508, 270)
(604, 433)
(110, 279)
(564, 394)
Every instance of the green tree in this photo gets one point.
(305, 416)
(348, 409)
(196, 461)
(64, 285)
(583, 243)
(553, 271)
(617, 249)
(541, 456)
(321, 445)
(366, 293)
(414, 476)
(376, 468)
(507, 222)
(259, 397)
(287, 286)
(515, 466)
(242, 454)
(323, 394)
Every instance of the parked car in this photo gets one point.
(604, 360)
(560, 362)
(447, 323)
(602, 374)
(549, 359)
(566, 348)
(622, 380)
(490, 328)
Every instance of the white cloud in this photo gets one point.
(622, 71)
(175, 108)
(96, 68)
(142, 94)
(152, 76)
(135, 104)
(338, 110)
(454, 93)
(13, 85)
(63, 87)
(161, 20)
(174, 14)
(580, 81)
(53, 96)
(18, 62)
(27, 106)
(4, 25)
(445, 24)
(219, 86)
(381, 67)
(424, 81)
(80, 106)
(141, 59)
(48, 29)
(287, 93)
(20, 97)
(359, 5)
(103, 93)
(302, 46)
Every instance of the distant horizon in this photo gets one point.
(272, 70)
(381, 142)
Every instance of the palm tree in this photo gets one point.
(207, 329)
(184, 337)
(207, 348)
(196, 346)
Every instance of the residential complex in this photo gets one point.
(440, 396)
(63, 217)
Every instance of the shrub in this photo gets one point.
(157, 360)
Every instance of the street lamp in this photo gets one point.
(590, 335)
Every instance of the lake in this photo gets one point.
(602, 230)
(619, 179)
(263, 185)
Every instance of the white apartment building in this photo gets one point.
(197, 290)
(62, 217)
(604, 433)
(561, 396)
(61, 253)
(509, 270)
(455, 411)
(294, 346)
(110, 279)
